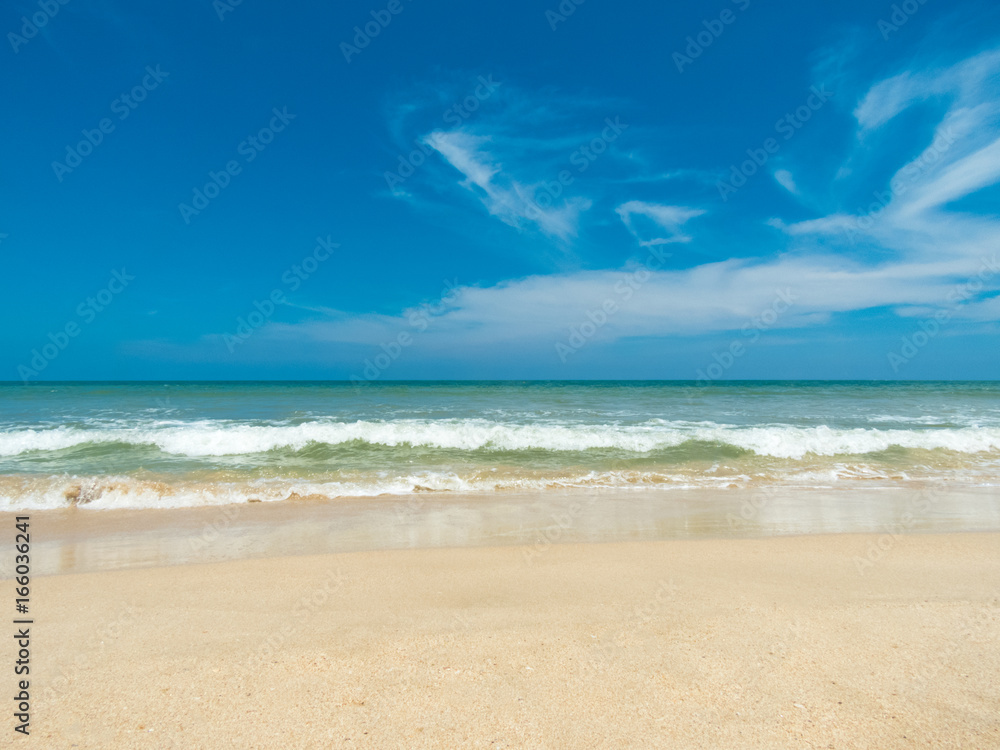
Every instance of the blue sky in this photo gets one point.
(730, 189)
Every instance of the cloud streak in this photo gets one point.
(513, 202)
(670, 218)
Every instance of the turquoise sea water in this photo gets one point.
(110, 445)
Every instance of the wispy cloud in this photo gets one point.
(965, 82)
(670, 218)
(909, 210)
(708, 298)
(785, 179)
(513, 202)
(524, 154)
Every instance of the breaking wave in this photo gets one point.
(207, 439)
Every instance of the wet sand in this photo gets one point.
(83, 539)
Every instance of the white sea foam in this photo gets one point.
(120, 492)
(207, 438)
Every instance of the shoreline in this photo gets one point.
(79, 540)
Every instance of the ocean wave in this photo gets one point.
(121, 492)
(108, 492)
(207, 439)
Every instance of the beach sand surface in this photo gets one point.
(710, 643)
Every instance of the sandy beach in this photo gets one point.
(778, 642)
(550, 375)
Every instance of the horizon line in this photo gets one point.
(354, 383)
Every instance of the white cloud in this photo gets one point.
(785, 179)
(956, 180)
(888, 98)
(463, 152)
(712, 297)
(511, 201)
(670, 218)
(908, 215)
(964, 81)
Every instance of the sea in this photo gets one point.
(160, 445)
